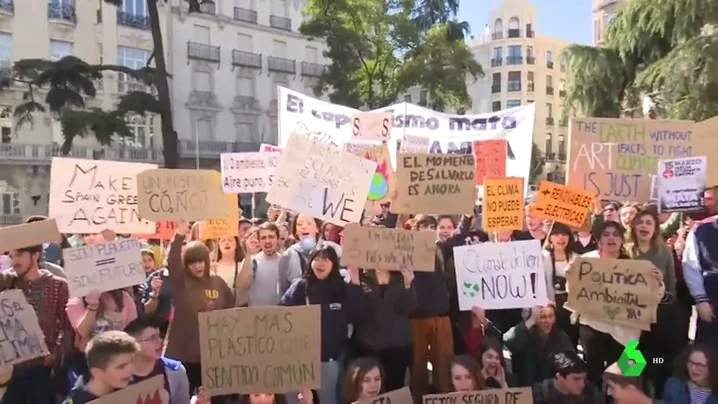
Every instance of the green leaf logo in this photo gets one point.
(470, 289)
(631, 361)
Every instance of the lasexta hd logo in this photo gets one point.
(631, 361)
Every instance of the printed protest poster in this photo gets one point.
(562, 203)
(150, 391)
(267, 349)
(616, 159)
(503, 204)
(22, 337)
(372, 126)
(89, 196)
(248, 172)
(388, 249)
(621, 292)
(384, 177)
(682, 184)
(490, 159)
(518, 395)
(356, 148)
(175, 194)
(269, 148)
(226, 225)
(500, 275)
(322, 181)
(434, 183)
(164, 230)
(107, 266)
(29, 234)
(414, 144)
(401, 396)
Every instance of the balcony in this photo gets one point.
(549, 121)
(514, 33)
(496, 62)
(246, 59)
(208, 8)
(495, 88)
(550, 156)
(530, 60)
(281, 65)
(243, 14)
(133, 20)
(561, 93)
(562, 156)
(6, 5)
(549, 64)
(514, 60)
(200, 51)
(61, 11)
(549, 90)
(530, 87)
(313, 69)
(20, 153)
(283, 23)
(514, 86)
(497, 35)
(212, 149)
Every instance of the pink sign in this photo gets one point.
(269, 148)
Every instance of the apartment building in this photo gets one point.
(603, 13)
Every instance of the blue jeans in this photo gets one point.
(330, 391)
(29, 385)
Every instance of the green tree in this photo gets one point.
(668, 48)
(71, 81)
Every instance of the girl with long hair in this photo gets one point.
(695, 380)
(363, 380)
(558, 252)
(465, 374)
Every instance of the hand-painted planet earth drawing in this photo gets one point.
(379, 187)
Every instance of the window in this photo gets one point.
(279, 8)
(60, 49)
(549, 81)
(142, 128)
(514, 51)
(549, 145)
(5, 50)
(245, 86)
(204, 129)
(496, 79)
(134, 59)
(244, 43)
(496, 106)
(201, 34)
(245, 129)
(498, 25)
(407, 98)
(279, 49)
(245, 4)
(562, 85)
(514, 83)
(203, 82)
(311, 54)
(6, 134)
(529, 51)
(514, 23)
(498, 53)
(596, 31)
(529, 101)
(530, 81)
(562, 64)
(562, 147)
(513, 104)
(423, 95)
(549, 110)
(10, 203)
(135, 7)
(549, 59)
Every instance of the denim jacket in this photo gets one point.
(676, 392)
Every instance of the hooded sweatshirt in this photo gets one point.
(190, 296)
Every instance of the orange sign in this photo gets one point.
(490, 159)
(164, 230)
(561, 203)
(225, 226)
(503, 204)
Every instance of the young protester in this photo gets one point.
(475, 330)
(446, 226)
(229, 255)
(625, 389)
(493, 365)
(109, 358)
(558, 252)
(149, 362)
(157, 297)
(341, 304)
(363, 380)
(533, 345)
(465, 374)
(194, 290)
(51, 252)
(257, 283)
(696, 377)
(568, 384)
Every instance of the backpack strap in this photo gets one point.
(545, 389)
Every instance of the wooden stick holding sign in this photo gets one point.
(372, 126)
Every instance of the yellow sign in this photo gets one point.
(562, 203)
(503, 204)
(226, 226)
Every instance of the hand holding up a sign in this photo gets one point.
(372, 126)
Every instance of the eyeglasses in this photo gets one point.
(697, 365)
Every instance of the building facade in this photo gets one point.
(225, 64)
(603, 13)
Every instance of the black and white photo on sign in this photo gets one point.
(681, 184)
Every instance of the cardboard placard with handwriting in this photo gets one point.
(434, 183)
(150, 391)
(261, 349)
(384, 179)
(401, 396)
(562, 203)
(224, 226)
(518, 395)
(164, 230)
(615, 291)
(29, 234)
(704, 143)
(173, 194)
(388, 249)
(372, 126)
(490, 158)
(23, 338)
(503, 204)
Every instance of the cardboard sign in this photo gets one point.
(89, 196)
(414, 144)
(616, 159)
(226, 226)
(164, 230)
(388, 249)
(401, 396)
(490, 158)
(562, 203)
(150, 391)
(189, 195)
(261, 349)
(322, 181)
(704, 143)
(682, 184)
(29, 234)
(434, 183)
(384, 179)
(500, 275)
(372, 126)
(269, 148)
(23, 339)
(107, 266)
(248, 172)
(621, 292)
(503, 204)
(519, 395)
